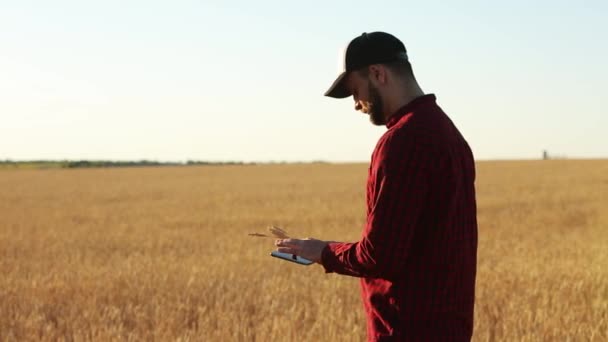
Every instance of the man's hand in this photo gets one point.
(310, 249)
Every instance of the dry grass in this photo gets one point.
(163, 253)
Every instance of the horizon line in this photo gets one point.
(226, 161)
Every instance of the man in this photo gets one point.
(417, 255)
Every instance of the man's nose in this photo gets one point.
(358, 105)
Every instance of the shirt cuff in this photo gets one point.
(328, 257)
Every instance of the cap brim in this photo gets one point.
(337, 89)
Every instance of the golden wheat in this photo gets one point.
(163, 253)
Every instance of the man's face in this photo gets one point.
(367, 97)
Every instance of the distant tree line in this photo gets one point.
(108, 163)
(70, 164)
(202, 162)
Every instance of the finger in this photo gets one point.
(288, 243)
(287, 250)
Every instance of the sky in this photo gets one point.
(244, 80)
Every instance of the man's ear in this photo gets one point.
(378, 73)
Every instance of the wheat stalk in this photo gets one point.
(275, 231)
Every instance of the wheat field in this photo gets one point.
(163, 254)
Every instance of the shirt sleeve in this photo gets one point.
(401, 190)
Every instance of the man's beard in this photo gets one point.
(376, 107)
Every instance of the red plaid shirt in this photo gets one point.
(417, 254)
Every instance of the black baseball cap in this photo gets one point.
(367, 49)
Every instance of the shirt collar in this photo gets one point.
(410, 107)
